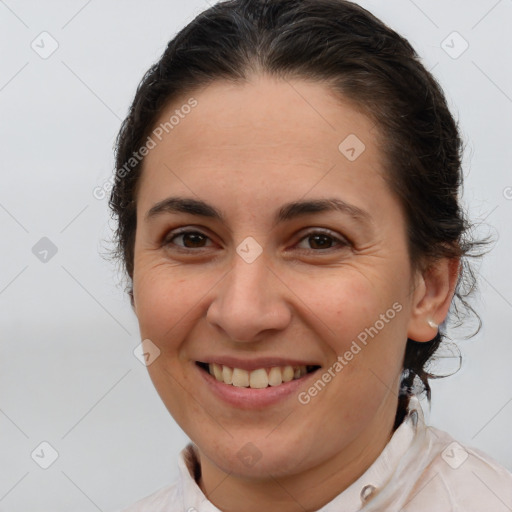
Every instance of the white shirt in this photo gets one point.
(421, 469)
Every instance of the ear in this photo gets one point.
(432, 297)
(132, 300)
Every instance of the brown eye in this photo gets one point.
(190, 240)
(319, 240)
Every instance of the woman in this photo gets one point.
(287, 204)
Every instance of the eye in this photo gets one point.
(323, 240)
(317, 240)
(190, 239)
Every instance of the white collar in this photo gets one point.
(395, 470)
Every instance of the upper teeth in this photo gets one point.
(260, 378)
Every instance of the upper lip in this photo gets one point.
(254, 364)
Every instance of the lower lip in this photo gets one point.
(249, 398)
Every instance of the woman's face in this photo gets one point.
(268, 283)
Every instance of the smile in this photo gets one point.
(257, 378)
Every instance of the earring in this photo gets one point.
(432, 323)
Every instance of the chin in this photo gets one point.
(259, 458)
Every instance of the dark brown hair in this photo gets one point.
(338, 43)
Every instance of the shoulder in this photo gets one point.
(159, 501)
(460, 478)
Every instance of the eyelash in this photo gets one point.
(340, 242)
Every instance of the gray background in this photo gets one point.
(68, 375)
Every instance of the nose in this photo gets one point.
(249, 301)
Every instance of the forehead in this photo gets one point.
(295, 134)
(264, 110)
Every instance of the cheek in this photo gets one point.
(349, 301)
(168, 302)
(161, 301)
(362, 320)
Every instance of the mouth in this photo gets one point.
(258, 378)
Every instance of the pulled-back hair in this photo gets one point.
(342, 45)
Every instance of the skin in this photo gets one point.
(247, 149)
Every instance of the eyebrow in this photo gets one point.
(287, 212)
